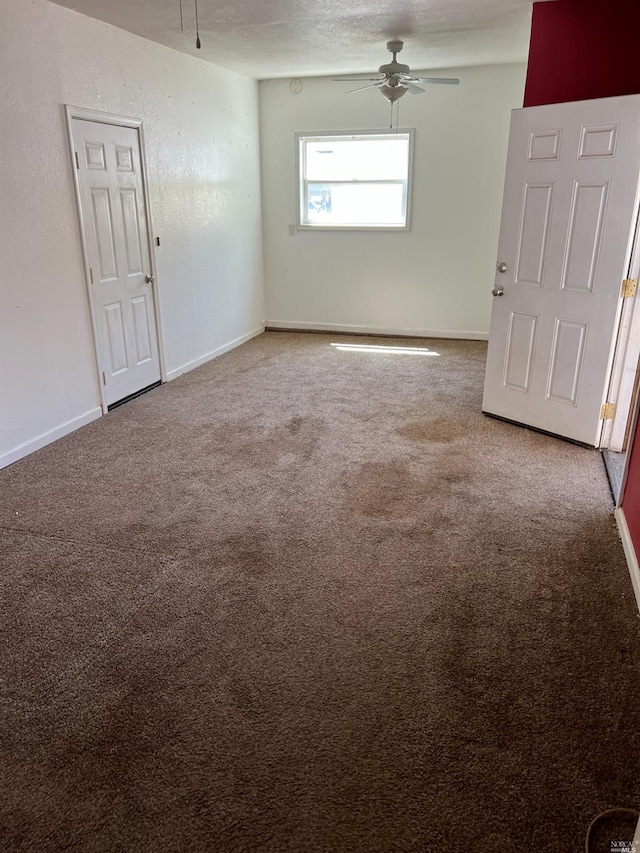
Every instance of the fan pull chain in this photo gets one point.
(181, 19)
(197, 28)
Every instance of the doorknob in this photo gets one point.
(502, 267)
(497, 291)
(149, 279)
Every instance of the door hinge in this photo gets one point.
(77, 160)
(104, 378)
(91, 274)
(608, 411)
(629, 287)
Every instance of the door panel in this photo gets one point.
(586, 223)
(567, 355)
(129, 205)
(520, 349)
(95, 156)
(115, 230)
(141, 328)
(102, 223)
(116, 337)
(534, 229)
(569, 210)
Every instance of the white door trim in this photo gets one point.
(71, 113)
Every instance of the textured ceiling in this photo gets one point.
(291, 38)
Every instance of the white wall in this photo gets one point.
(201, 132)
(435, 279)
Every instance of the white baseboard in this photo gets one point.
(303, 326)
(51, 435)
(629, 552)
(203, 359)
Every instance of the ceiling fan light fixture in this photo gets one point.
(392, 93)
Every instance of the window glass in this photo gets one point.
(354, 180)
(354, 204)
(358, 160)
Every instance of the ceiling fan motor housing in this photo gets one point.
(394, 68)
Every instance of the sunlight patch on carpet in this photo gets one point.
(387, 350)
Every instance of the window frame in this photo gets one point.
(302, 184)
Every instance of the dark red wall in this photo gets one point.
(582, 49)
(631, 497)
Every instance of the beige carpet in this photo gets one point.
(310, 599)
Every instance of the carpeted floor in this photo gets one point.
(310, 599)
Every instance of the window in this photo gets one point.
(354, 180)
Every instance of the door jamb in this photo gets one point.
(626, 355)
(83, 114)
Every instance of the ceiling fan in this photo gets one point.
(396, 78)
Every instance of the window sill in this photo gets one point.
(387, 228)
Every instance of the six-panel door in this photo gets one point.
(569, 213)
(117, 241)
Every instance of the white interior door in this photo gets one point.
(569, 210)
(114, 222)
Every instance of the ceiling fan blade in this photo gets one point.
(415, 90)
(450, 81)
(361, 88)
(355, 79)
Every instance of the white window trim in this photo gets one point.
(300, 184)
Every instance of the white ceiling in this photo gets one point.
(296, 38)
